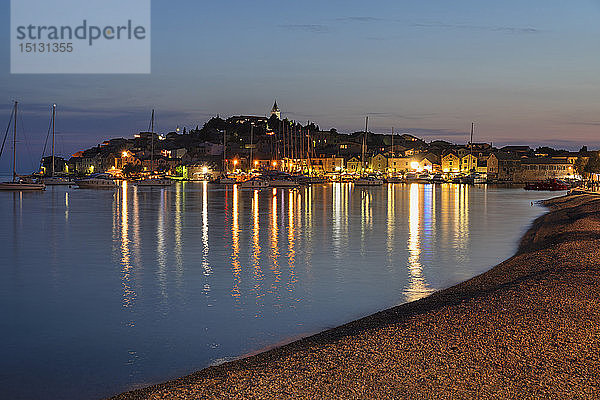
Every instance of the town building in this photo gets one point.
(501, 166)
(397, 165)
(542, 168)
(451, 163)
(379, 163)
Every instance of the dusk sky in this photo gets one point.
(527, 72)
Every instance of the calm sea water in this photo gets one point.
(108, 290)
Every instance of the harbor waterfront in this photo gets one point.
(114, 289)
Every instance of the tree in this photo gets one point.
(593, 165)
(580, 165)
(129, 169)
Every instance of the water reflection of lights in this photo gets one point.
(129, 294)
(179, 213)
(461, 222)
(366, 214)
(336, 217)
(292, 239)
(161, 250)
(136, 229)
(206, 268)
(235, 247)
(66, 206)
(417, 287)
(275, 241)
(256, 248)
(391, 225)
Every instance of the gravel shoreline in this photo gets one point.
(528, 328)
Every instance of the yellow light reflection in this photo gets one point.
(391, 225)
(461, 222)
(336, 217)
(129, 294)
(178, 234)
(417, 287)
(366, 214)
(67, 206)
(256, 248)
(275, 243)
(161, 250)
(207, 270)
(292, 240)
(235, 248)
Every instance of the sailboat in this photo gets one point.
(153, 180)
(473, 177)
(366, 180)
(17, 183)
(224, 179)
(52, 179)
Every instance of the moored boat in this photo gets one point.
(393, 179)
(96, 181)
(57, 180)
(255, 183)
(412, 177)
(368, 181)
(18, 183)
(282, 182)
(154, 182)
(550, 184)
(224, 180)
(438, 178)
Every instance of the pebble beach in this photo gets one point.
(527, 328)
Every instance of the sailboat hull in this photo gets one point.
(154, 182)
(57, 181)
(21, 186)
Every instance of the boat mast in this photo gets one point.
(251, 145)
(15, 146)
(224, 150)
(53, 115)
(152, 143)
(392, 141)
(364, 143)
(471, 147)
